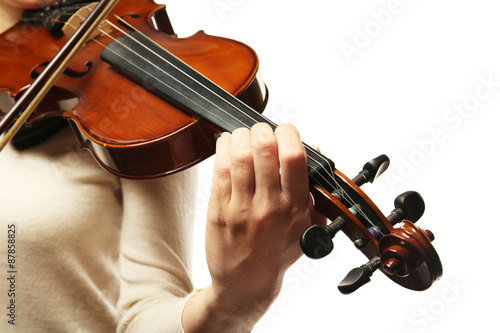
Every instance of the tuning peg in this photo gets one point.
(408, 206)
(371, 170)
(316, 242)
(359, 276)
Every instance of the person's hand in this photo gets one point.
(11, 11)
(259, 206)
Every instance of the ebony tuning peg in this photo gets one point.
(316, 242)
(408, 206)
(359, 276)
(372, 170)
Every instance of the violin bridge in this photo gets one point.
(77, 19)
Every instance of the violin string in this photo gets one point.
(179, 69)
(190, 77)
(311, 151)
(330, 172)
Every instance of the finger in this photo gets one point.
(293, 162)
(221, 182)
(316, 217)
(266, 162)
(242, 167)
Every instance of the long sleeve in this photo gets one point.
(66, 213)
(155, 252)
(93, 253)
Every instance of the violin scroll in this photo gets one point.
(408, 258)
(404, 254)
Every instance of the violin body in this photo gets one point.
(135, 134)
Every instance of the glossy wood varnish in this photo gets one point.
(131, 131)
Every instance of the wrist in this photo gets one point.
(217, 309)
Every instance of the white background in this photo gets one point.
(362, 78)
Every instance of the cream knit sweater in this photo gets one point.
(90, 252)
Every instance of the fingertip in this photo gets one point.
(287, 128)
(260, 125)
(222, 136)
(223, 139)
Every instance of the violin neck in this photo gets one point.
(168, 76)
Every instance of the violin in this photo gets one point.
(146, 104)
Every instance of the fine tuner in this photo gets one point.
(401, 253)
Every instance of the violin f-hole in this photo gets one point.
(35, 72)
(123, 22)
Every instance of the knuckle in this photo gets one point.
(241, 150)
(269, 210)
(221, 175)
(263, 140)
(294, 156)
(242, 157)
(265, 149)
